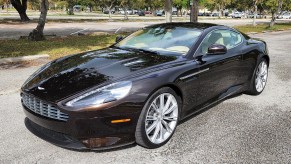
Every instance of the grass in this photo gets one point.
(263, 27)
(54, 47)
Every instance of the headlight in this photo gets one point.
(102, 95)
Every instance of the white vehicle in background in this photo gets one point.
(237, 15)
(129, 12)
(284, 16)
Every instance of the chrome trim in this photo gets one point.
(193, 74)
(42, 108)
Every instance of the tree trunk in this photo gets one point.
(70, 7)
(37, 33)
(7, 5)
(272, 23)
(21, 9)
(222, 10)
(125, 13)
(280, 3)
(168, 10)
(255, 13)
(109, 13)
(194, 11)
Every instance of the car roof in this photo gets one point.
(201, 26)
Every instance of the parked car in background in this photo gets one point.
(259, 16)
(129, 12)
(147, 12)
(208, 14)
(237, 15)
(284, 16)
(159, 13)
(77, 8)
(141, 13)
(215, 14)
(106, 11)
(135, 11)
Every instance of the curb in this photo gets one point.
(23, 58)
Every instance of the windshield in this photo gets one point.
(164, 40)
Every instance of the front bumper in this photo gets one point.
(83, 133)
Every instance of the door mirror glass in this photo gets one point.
(118, 38)
(216, 49)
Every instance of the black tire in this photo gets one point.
(252, 89)
(140, 133)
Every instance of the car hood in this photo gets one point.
(67, 76)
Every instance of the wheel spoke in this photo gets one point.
(161, 132)
(152, 127)
(162, 103)
(171, 109)
(261, 68)
(154, 105)
(258, 84)
(168, 103)
(157, 130)
(170, 118)
(151, 118)
(167, 127)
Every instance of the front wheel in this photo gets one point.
(158, 119)
(259, 80)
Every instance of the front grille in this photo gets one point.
(42, 108)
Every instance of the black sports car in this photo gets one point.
(138, 89)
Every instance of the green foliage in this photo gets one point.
(271, 5)
(216, 4)
(181, 3)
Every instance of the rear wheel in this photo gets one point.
(259, 80)
(158, 119)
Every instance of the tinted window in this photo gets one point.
(227, 38)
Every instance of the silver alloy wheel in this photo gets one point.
(261, 76)
(161, 119)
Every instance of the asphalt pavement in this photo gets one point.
(244, 129)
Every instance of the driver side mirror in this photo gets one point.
(118, 38)
(217, 49)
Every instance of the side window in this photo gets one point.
(227, 38)
(232, 39)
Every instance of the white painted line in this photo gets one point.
(79, 31)
(118, 30)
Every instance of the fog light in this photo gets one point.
(100, 142)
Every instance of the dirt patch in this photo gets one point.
(23, 64)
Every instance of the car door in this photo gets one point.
(218, 73)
